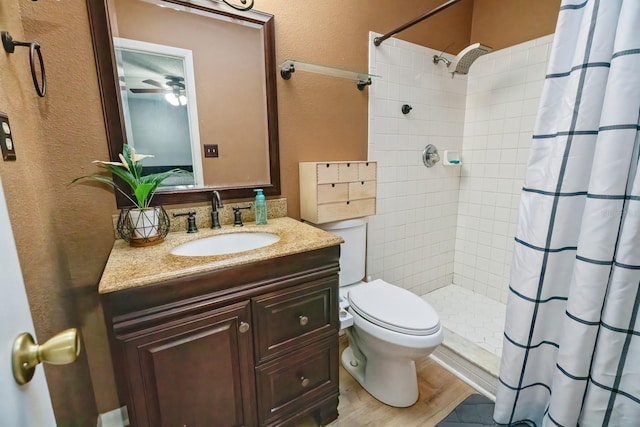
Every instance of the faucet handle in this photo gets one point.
(191, 221)
(237, 215)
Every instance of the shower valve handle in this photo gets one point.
(430, 155)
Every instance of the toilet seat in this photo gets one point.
(394, 308)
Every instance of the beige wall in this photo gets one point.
(64, 234)
(500, 23)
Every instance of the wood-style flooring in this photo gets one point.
(440, 392)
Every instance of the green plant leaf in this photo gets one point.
(144, 192)
(130, 172)
(104, 180)
(126, 153)
(123, 174)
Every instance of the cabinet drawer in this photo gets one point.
(288, 319)
(367, 171)
(347, 172)
(327, 173)
(345, 210)
(362, 190)
(328, 193)
(305, 377)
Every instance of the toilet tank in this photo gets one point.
(353, 250)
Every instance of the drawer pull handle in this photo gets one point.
(244, 327)
(304, 382)
(303, 320)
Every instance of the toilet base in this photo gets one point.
(391, 381)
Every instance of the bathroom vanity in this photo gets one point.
(242, 339)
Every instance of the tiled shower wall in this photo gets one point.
(429, 217)
(503, 93)
(411, 239)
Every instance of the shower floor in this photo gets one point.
(474, 327)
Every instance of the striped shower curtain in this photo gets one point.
(572, 336)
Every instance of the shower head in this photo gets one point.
(461, 63)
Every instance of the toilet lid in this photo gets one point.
(394, 308)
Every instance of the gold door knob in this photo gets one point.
(304, 381)
(244, 327)
(303, 320)
(61, 349)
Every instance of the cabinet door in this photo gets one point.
(195, 371)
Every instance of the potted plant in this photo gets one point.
(141, 224)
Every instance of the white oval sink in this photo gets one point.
(223, 244)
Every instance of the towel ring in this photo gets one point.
(34, 48)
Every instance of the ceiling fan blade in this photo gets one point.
(147, 90)
(153, 83)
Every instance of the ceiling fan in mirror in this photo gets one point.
(173, 88)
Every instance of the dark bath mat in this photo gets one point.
(475, 411)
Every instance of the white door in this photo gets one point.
(28, 405)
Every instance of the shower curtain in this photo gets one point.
(572, 336)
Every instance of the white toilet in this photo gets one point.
(392, 327)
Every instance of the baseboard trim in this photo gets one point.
(469, 372)
(116, 418)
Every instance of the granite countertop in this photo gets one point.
(129, 267)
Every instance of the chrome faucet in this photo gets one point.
(216, 202)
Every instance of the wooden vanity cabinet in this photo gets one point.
(242, 346)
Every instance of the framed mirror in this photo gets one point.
(194, 84)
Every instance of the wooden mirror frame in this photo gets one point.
(112, 108)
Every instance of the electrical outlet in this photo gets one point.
(211, 150)
(6, 139)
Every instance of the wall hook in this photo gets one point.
(34, 48)
(285, 72)
(406, 108)
(363, 83)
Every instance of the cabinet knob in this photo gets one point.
(304, 382)
(303, 320)
(244, 327)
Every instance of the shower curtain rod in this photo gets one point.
(378, 40)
